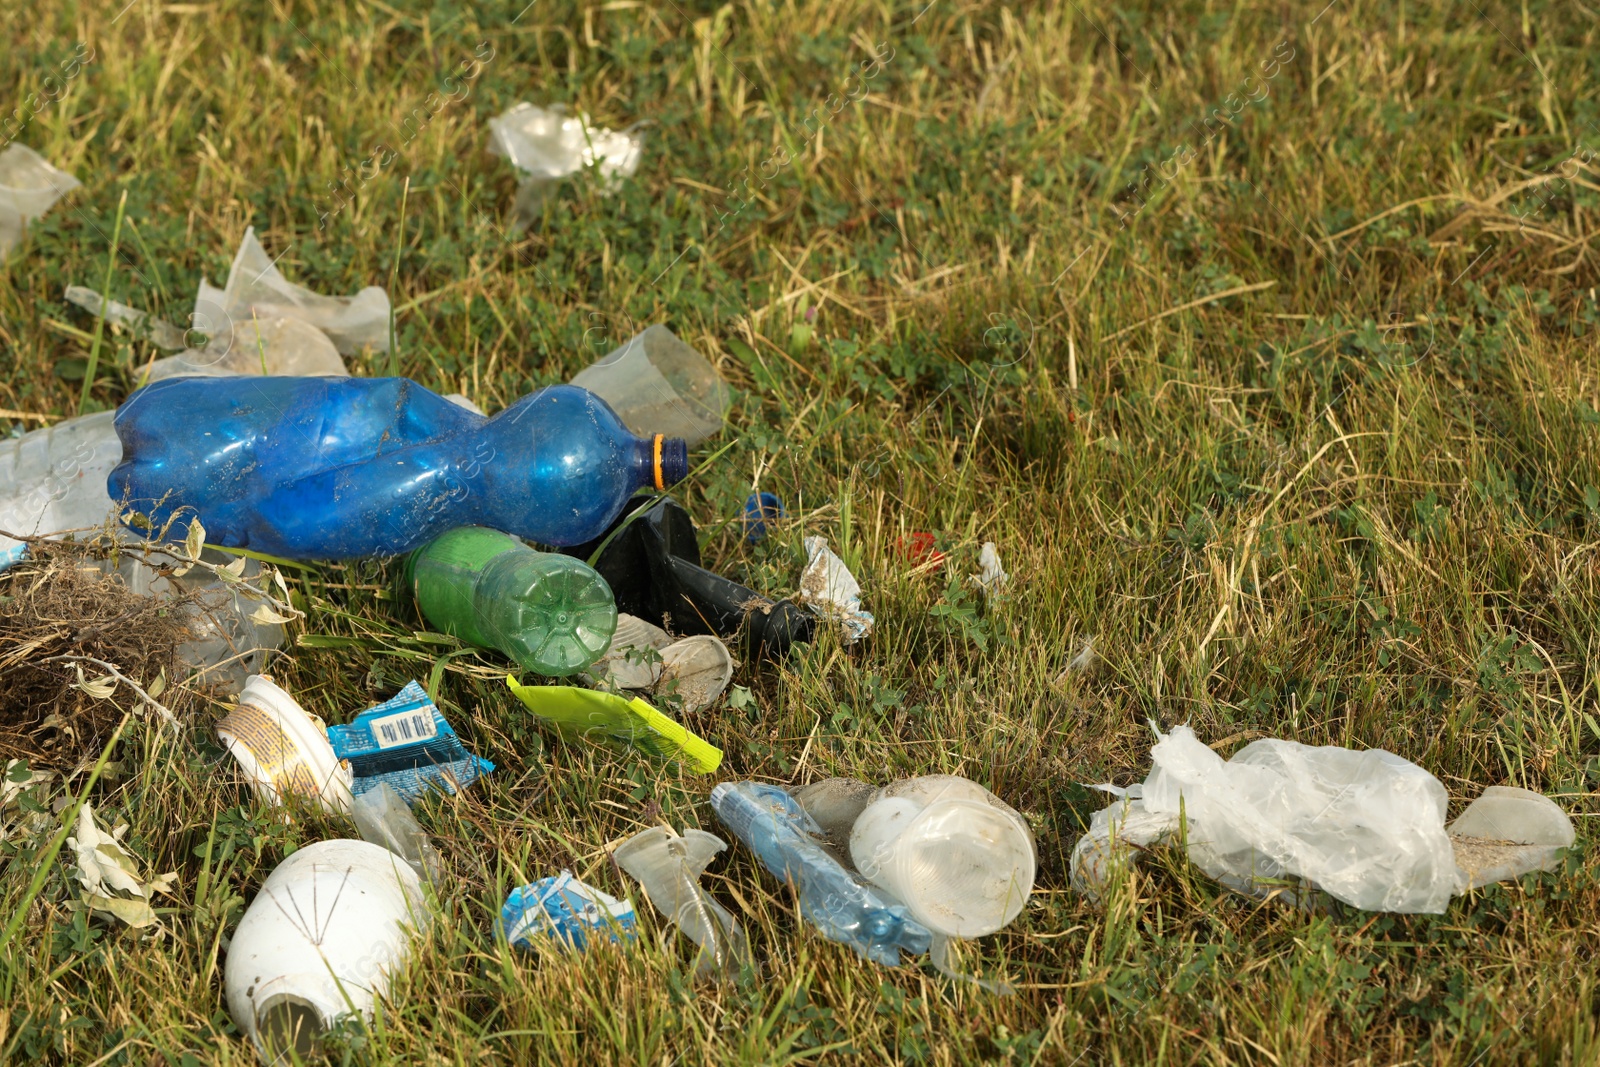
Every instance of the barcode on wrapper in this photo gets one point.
(403, 728)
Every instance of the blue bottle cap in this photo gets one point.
(758, 510)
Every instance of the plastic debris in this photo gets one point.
(759, 510)
(566, 910)
(328, 930)
(109, 875)
(829, 589)
(669, 867)
(546, 145)
(657, 384)
(283, 749)
(1506, 833)
(383, 817)
(160, 333)
(550, 613)
(253, 457)
(618, 722)
(257, 290)
(845, 908)
(957, 855)
(406, 744)
(29, 187)
(991, 578)
(54, 479)
(1365, 827)
(960, 859)
(920, 549)
(652, 563)
(633, 660)
(696, 670)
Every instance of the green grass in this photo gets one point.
(1358, 506)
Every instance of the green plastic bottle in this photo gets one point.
(551, 613)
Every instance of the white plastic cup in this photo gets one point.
(330, 926)
(960, 860)
(282, 750)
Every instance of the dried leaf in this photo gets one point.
(236, 568)
(195, 541)
(158, 686)
(267, 617)
(110, 875)
(101, 688)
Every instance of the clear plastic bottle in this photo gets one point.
(340, 468)
(774, 826)
(550, 613)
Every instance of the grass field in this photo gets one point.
(957, 260)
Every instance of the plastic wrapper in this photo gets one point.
(546, 145)
(406, 744)
(617, 722)
(29, 187)
(567, 910)
(384, 818)
(256, 289)
(829, 589)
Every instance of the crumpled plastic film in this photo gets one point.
(29, 187)
(257, 290)
(1365, 827)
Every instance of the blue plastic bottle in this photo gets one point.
(774, 826)
(338, 468)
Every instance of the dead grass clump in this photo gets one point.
(60, 612)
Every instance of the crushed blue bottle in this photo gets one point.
(774, 826)
(342, 468)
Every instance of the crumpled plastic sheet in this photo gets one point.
(1365, 827)
(29, 187)
(548, 144)
(257, 289)
(828, 588)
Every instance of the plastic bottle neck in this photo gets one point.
(660, 462)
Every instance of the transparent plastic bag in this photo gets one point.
(547, 145)
(1365, 827)
(29, 187)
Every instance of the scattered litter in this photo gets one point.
(759, 510)
(29, 187)
(1365, 827)
(283, 749)
(550, 613)
(567, 910)
(608, 719)
(405, 744)
(658, 384)
(256, 289)
(407, 466)
(774, 826)
(829, 589)
(652, 563)
(323, 938)
(383, 818)
(633, 660)
(696, 670)
(547, 145)
(920, 549)
(109, 874)
(992, 577)
(669, 867)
